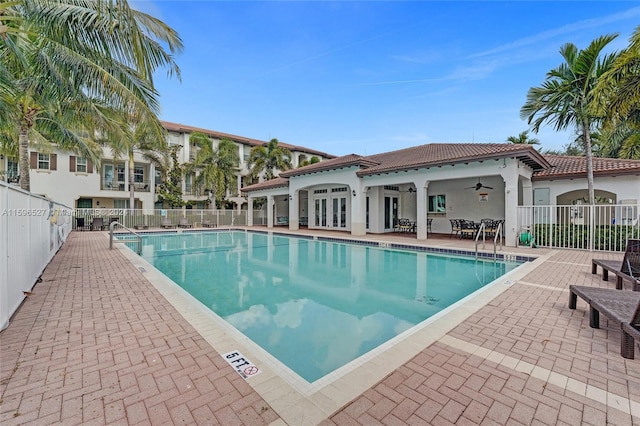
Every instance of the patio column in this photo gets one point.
(510, 177)
(294, 211)
(358, 211)
(270, 203)
(421, 211)
(250, 211)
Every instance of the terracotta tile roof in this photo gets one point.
(176, 127)
(332, 164)
(437, 154)
(267, 184)
(565, 167)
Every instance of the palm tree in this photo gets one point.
(618, 89)
(216, 168)
(138, 133)
(566, 97)
(523, 139)
(97, 57)
(267, 159)
(312, 160)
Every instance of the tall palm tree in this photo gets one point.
(138, 134)
(618, 89)
(215, 167)
(566, 97)
(96, 56)
(523, 139)
(269, 158)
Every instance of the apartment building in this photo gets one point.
(76, 182)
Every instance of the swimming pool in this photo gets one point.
(315, 305)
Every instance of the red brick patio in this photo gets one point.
(96, 343)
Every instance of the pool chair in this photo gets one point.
(184, 223)
(622, 308)
(97, 224)
(166, 223)
(207, 223)
(627, 270)
(80, 226)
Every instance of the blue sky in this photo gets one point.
(370, 76)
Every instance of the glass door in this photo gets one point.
(390, 212)
(339, 212)
(108, 176)
(323, 211)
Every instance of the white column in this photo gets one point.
(510, 176)
(358, 211)
(250, 211)
(270, 203)
(294, 211)
(421, 211)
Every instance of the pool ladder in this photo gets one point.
(496, 238)
(138, 237)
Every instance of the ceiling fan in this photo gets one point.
(478, 186)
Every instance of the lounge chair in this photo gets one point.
(622, 308)
(166, 223)
(184, 223)
(628, 269)
(97, 224)
(206, 223)
(80, 226)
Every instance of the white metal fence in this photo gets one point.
(32, 229)
(85, 219)
(590, 227)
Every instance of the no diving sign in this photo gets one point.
(242, 365)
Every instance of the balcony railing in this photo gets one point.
(114, 185)
(10, 177)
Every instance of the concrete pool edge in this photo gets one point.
(301, 403)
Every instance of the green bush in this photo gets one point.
(606, 237)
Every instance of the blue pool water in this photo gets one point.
(315, 305)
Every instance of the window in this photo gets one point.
(43, 161)
(81, 165)
(121, 204)
(12, 170)
(437, 204)
(138, 174)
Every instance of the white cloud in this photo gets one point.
(565, 29)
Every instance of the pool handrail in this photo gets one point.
(112, 225)
(496, 238)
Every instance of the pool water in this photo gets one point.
(315, 305)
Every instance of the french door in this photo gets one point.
(390, 212)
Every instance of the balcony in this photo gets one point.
(114, 185)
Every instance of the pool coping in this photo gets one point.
(294, 400)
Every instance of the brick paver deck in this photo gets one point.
(97, 344)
